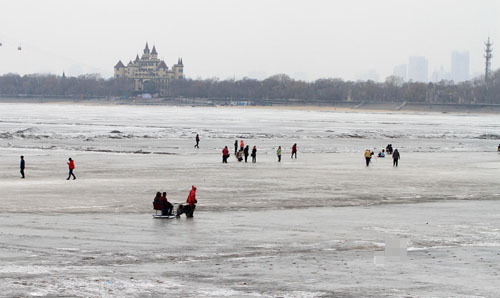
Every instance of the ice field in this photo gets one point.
(305, 227)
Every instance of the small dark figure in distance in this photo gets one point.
(395, 158)
(71, 165)
(278, 152)
(254, 154)
(368, 156)
(166, 206)
(197, 141)
(246, 152)
(225, 154)
(294, 150)
(235, 146)
(388, 149)
(22, 166)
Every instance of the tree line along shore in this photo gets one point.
(277, 89)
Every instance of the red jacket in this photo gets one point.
(191, 200)
(225, 151)
(294, 148)
(71, 165)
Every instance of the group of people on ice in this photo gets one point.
(395, 155)
(161, 202)
(240, 154)
(244, 151)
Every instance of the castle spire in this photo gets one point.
(119, 64)
(153, 52)
(136, 58)
(146, 49)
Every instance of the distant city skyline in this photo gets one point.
(418, 69)
(231, 39)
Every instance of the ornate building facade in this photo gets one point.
(149, 73)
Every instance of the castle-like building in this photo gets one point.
(149, 72)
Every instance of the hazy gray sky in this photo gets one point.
(226, 38)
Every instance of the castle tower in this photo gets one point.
(154, 54)
(119, 69)
(146, 52)
(178, 69)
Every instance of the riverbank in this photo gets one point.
(345, 106)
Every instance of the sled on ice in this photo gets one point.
(157, 207)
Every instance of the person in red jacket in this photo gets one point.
(191, 200)
(225, 154)
(71, 165)
(294, 150)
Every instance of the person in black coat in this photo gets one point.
(246, 152)
(254, 154)
(22, 166)
(395, 158)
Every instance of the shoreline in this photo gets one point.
(354, 107)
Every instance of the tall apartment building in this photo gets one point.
(401, 71)
(418, 69)
(460, 66)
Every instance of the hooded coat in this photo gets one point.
(191, 200)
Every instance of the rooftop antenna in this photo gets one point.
(487, 55)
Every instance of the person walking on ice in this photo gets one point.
(278, 152)
(22, 166)
(368, 156)
(395, 158)
(254, 154)
(294, 150)
(225, 154)
(197, 141)
(71, 165)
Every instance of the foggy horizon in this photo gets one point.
(225, 39)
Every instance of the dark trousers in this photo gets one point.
(246, 157)
(395, 162)
(294, 153)
(254, 159)
(190, 210)
(197, 142)
(224, 158)
(167, 210)
(71, 174)
(279, 158)
(22, 173)
(368, 160)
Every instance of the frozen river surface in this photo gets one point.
(306, 227)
